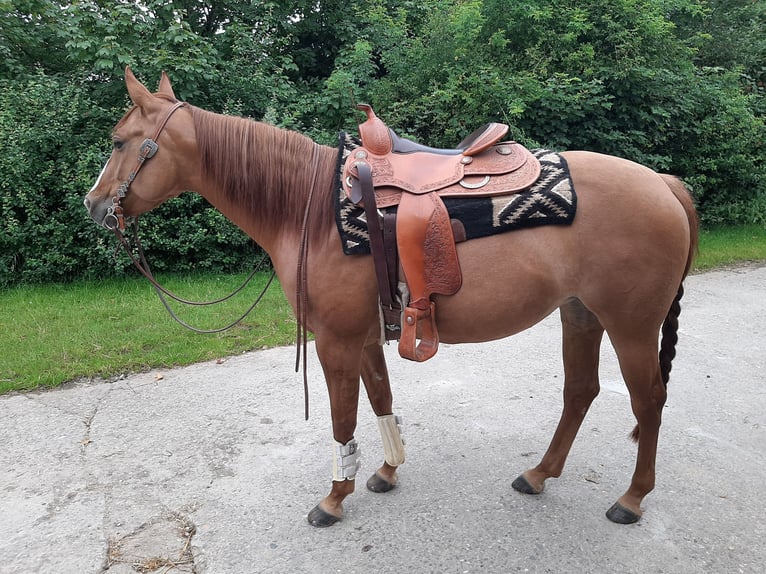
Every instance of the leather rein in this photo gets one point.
(114, 215)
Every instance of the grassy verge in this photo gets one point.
(730, 246)
(50, 334)
(55, 333)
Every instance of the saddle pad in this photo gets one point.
(550, 201)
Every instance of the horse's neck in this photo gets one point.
(260, 233)
(261, 178)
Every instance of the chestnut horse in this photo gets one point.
(617, 268)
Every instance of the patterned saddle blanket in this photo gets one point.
(550, 201)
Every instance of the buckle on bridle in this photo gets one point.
(114, 219)
(148, 148)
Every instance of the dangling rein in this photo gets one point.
(301, 287)
(142, 265)
(148, 149)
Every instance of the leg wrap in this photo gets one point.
(345, 460)
(391, 435)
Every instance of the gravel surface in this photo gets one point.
(212, 469)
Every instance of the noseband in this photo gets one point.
(148, 148)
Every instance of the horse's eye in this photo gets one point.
(117, 144)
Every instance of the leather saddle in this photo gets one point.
(388, 171)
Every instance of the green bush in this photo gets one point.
(46, 153)
(52, 142)
(721, 152)
(677, 85)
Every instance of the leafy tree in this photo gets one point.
(674, 84)
(104, 37)
(28, 38)
(726, 33)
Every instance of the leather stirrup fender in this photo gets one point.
(389, 171)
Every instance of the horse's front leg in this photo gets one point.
(378, 387)
(341, 363)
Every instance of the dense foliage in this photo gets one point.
(674, 84)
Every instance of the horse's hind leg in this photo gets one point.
(582, 334)
(378, 387)
(639, 363)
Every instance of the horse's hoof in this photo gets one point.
(522, 485)
(377, 483)
(321, 518)
(621, 515)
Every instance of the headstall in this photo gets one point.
(147, 151)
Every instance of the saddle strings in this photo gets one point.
(301, 286)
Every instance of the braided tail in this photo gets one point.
(670, 325)
(667, 344)
(670, 337)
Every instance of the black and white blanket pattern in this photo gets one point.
(550, 201)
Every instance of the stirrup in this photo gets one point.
(429, 337)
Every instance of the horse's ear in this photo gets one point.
(137, 91)
(165, 87)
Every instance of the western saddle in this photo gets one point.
(387, 171)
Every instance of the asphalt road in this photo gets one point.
(212, 469)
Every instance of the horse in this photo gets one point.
(618, 268)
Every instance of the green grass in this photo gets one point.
(724, 246)
(50, 334)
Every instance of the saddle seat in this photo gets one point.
(387, 171)
(478, 141)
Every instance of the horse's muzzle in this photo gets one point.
(102, 212)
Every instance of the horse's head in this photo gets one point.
(145, 166)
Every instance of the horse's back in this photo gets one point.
(625, 253)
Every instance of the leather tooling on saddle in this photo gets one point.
(424, 199)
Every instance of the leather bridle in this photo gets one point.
(147, 151)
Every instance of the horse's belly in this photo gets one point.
(510, 282)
